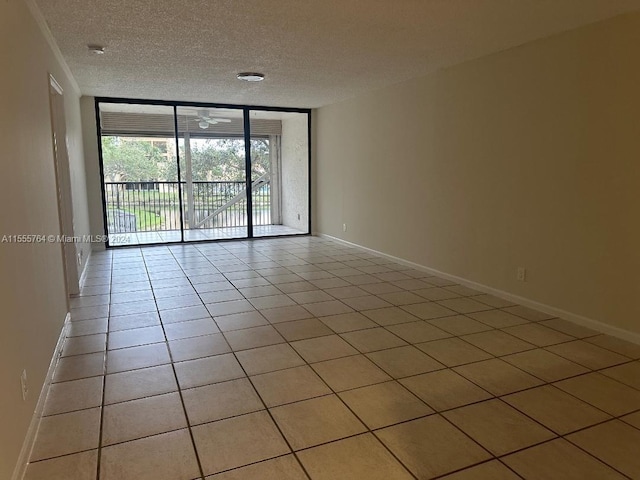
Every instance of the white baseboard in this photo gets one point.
(597, 325)
(32, 432)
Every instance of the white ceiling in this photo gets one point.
(313, 52)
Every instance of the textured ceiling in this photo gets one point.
(312, 52)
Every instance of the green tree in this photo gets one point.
(131, 160)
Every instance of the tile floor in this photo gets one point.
(301, 358)
(199, 235)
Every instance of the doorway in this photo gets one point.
(63, 186)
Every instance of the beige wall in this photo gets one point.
(295, 171)
(529, 157)
(32, 292)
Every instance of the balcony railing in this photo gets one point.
(155, 206)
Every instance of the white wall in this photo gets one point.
(529, 157)
(295, 171)
(32, 292)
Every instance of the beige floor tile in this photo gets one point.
(417, 332)
(269, 358)
(615, 443)
(453, 351)
(67, 433)
(545, 365)
(332, 307)
(198, 347)
(498, 427)
(537, 334)
(260, 291)
(493, 470)
(140, 320)
(296, 287)
(192, 328)
(359, 457)
(74, 395)
(312, 296)
(347, 322)
(87, 327)
(145, 382)
(617, 345)
(555, 409)
(401, 298)
(528, 313)
(316, 421)
(629, 374)
(290, 385)
(380, 288)
(285, 314)
(236, 442)
(221, 400)
(404, 361)
(569, 328)
(495, 302)
(389, 316)
(228, 308)
(253, 337)
(281, 468)
(323, 348)
(428, 310)
(497, 342)
(301, 329)
(459, 325)
(559, 459)
(441, 447)
(85, 344)
(445, 389)
(80, 366)
(184, 314)
(238, 321)
(633, 419)
(272, 301)
(464, 305)
(498, 318)
(384, 404)
(350, 372)
(603, 392)
(169, 456)
(436, 293)
(372, 339)
(141, 418)
(497, 377)
(135, 337)
(137, 357)
(588, 355)
(204, 371)
(79, 466)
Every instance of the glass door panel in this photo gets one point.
(213, 173)
(279, 172)
(140, 181)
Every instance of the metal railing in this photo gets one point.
(155, 206)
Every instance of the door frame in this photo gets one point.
(63, 186)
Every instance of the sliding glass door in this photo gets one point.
(183, 173)
(213, 172)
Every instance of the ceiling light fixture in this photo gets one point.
(96, 49)
(251, 76)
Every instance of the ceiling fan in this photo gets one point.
(205, 119)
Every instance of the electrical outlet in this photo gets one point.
(344, 227)
(521, 274)
(23, 382)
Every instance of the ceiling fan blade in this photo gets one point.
(221, 120)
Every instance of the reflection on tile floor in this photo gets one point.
(198, 235)
(301, 358)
